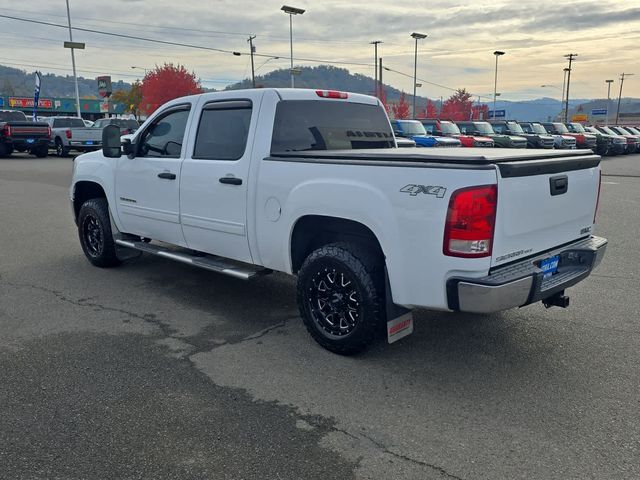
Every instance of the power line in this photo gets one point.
(179, 44)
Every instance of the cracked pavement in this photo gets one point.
(158, 370)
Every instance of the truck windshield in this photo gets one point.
(576, 128)
(539, 129)
(607, 130)
(12, 117)
(484, 128)
(515, 128)
(560, 128)
(411, 127)
(449, 128)
(302, 125)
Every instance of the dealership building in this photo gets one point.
(90, 109)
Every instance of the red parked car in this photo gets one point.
(446, 128)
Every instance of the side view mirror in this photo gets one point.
(111, 141)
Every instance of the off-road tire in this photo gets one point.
(94, 231)
(5, 151)
(41, 152)
(360, 265)
(61, 150)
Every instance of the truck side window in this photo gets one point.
(223, 130)
(164, 136)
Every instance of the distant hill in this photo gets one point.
(328, 78)
(15, 82)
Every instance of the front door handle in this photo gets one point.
(167, 175)
(231, 180)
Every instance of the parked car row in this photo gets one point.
(511, 134)
(62, 133)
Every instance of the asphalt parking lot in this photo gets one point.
(157, 370)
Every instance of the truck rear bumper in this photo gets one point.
(524, 282)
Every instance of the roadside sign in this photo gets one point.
(498, 113)
(21, 102)
(78, 45)
(599, 111)
(580, 117)
(104, 86)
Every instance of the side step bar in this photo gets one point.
(208, 262)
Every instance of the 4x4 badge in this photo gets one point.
(414, 190)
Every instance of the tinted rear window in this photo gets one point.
(302, 125)
(12, 117)
(68, 123)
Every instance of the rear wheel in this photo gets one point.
(340, 296)
(61, 150)
(41, 151)
(5, 150)
(94, 230)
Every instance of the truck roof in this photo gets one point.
(288, 94)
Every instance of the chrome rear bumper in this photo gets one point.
(523, 282)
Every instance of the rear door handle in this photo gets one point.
(167, 175)
(231, 180)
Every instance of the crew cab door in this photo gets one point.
(215, 177)
(147, 185)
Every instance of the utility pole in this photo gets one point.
(253, 71)
(380, 88)
(620, 95)
(609, 82)
(570, 56)
(375, 64)
(564, 86)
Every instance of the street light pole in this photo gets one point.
(570, 56)
(375, 64)
(73, 62)
(564, 86)
(620, 95)
(609, 82)
(497, 53)
(416, 36)
(291, 11)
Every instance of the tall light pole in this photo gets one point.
(416, 36)
(375, 44)
(291, 11)
(497, 53)
(73, 61)
(620, 95)
(570, 56)
(609, 82)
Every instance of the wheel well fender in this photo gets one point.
(83, 191)
(313, 231)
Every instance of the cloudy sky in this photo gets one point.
(462, 35)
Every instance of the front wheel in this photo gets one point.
(94, 230)
(340, 297)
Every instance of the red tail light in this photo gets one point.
(6, 131)
(331, 94)
(470, 223)
(68, 133)
(595, 214)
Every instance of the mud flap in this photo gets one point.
(399, 319)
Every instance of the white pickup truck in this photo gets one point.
(310, 183)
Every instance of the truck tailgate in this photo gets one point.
(543, 204)
(84, 134)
